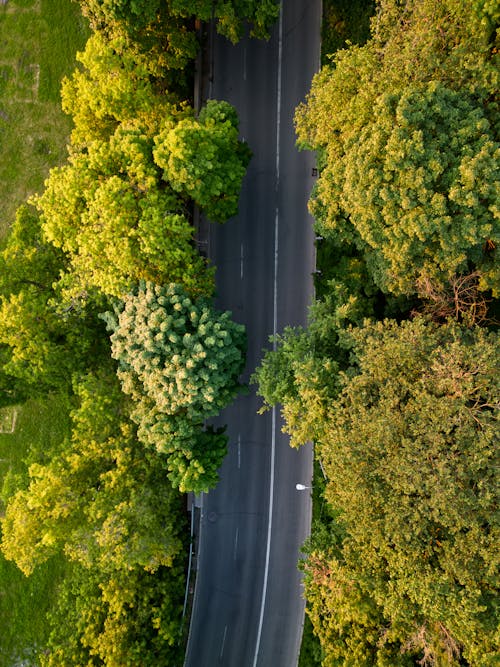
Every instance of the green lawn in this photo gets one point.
(38, 42)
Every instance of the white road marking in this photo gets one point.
(275, 326)
(275, 300)
(223, 642)
(239, 450)
(244, 64)
(241, 261)
(236, 543)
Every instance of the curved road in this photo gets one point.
(248, 607)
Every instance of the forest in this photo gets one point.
(106, 304)
(108, 318)
(395, 379)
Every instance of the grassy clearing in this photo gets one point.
(38, 42)
(41, 427)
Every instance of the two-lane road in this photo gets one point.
(248, 607)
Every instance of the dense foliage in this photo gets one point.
(103, 502)
(179, 360)
(410, 146)
(408, 449)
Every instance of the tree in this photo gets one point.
(298, 376)
(43, 343)
(179, 360)
(109, 212)
(231, 16)
(408, 449)
(415, 200)
(301, 370)
(148, 30)
(103, 500)
(27, 260)
(416, 188)
(116, 618)
(182, 354)
(172, 18)
(204, 160)
(113, 86)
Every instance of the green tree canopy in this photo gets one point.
(418, 188)
(407, 129)
(43, 342)
(116, 618)
(172, 18)
(179, 359)
(103, 500)
(113, 86)
(409, 451)
(181, 353)
(108, 210)
(204, 160)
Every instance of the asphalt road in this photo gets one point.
(248, 606)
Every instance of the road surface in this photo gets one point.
(248, 606)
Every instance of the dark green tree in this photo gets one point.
(116, 617)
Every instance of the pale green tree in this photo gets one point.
(179, 360)
(181, 353)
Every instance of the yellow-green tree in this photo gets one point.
(103, 501)
(409, 453)
(108, 211)
(203, 159)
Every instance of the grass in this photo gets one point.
(40, 428)
(38, 43)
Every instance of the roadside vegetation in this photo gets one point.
(396, 377)
(111, 352)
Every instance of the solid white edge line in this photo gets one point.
(275, 327)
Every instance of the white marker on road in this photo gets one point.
(236, 543)
(223, 642)
(239, 450)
